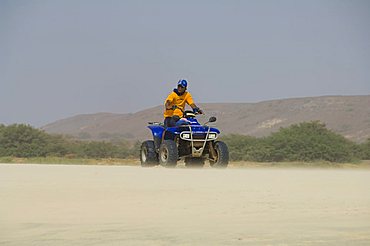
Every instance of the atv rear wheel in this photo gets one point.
(194, 162)
(221, 160)
(148, 156)
(168, 153)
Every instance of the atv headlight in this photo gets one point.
(186, 135)
(212, 136)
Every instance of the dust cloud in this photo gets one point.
(121, 205)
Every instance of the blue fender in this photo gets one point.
(157, 131)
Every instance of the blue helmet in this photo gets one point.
(183, 83)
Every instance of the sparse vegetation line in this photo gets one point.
(304, 142)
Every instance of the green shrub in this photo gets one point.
(364, 150)
(22, 141)
(308, 141)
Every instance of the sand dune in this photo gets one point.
(118, 205)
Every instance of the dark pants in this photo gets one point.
(171, 121)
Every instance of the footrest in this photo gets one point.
(156, 123)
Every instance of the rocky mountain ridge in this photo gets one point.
(346, 115)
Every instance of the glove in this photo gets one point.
(197, 111)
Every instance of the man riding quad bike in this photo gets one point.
(175, 103)
(188, 140)
(183, 138)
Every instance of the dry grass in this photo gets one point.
(79, 161)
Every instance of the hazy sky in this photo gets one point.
(62, 58)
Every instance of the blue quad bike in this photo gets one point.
(188, 140)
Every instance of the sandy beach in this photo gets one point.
(128, 205)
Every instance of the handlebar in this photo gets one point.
(183, 112)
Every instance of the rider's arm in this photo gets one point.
(193, 106)
(196, 109)
(168, 105)
(189, 100)
(169, 100)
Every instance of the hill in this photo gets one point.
(346, 115)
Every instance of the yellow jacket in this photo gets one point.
(179, 101)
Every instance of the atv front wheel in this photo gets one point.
(221, 160)
(168, 153)
(148, 156)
